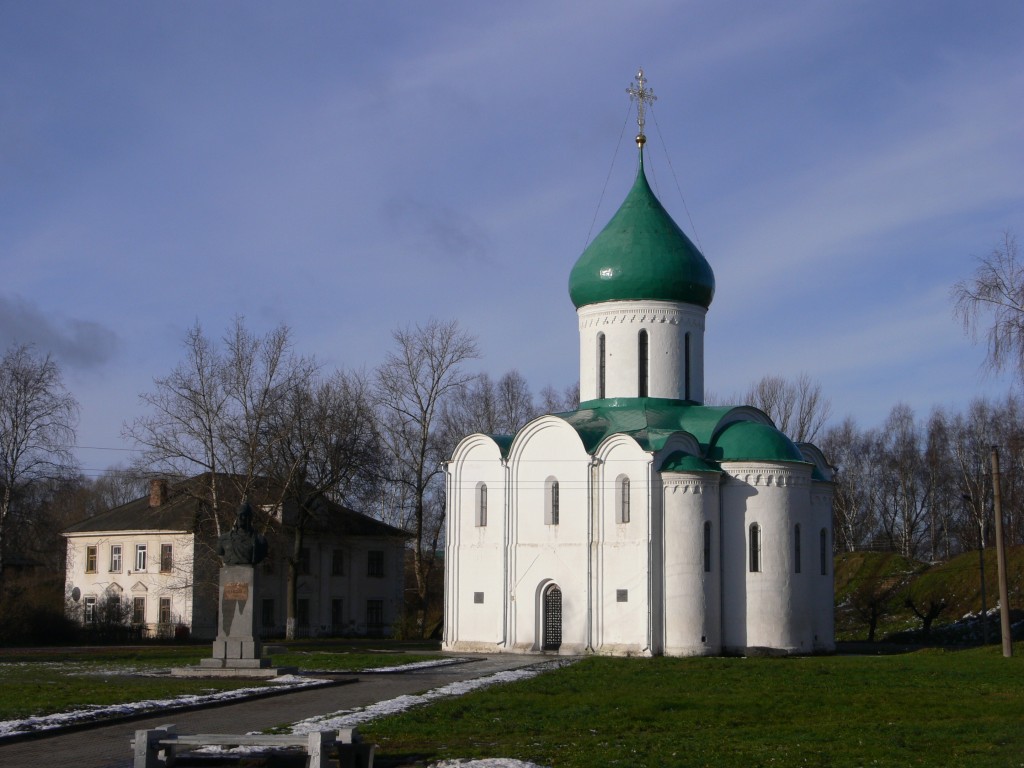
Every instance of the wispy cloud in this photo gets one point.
(72, 341)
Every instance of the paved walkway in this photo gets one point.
(107, 746)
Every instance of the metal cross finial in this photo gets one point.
(644, 96)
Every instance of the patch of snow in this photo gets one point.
(493, 762)
(416, 665)
(61, 719)
(354, 717)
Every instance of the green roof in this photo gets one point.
(641, 254)
(723, 432)
(747, 440)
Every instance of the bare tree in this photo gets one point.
(553, 401)
(117, 486)
(211, 414)
(37, 425)
(324, 447)
(996, 292)
(797, 407)
(906, 487)
(412, 385)
(855, 503)
(493, 408)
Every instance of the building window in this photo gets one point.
(478, 598)
(302, 612)
(824, 552)
(165, 558)
(90, 559)
(165, 610)
(140, 557)
(686, 367)
(643, 357)
(337, 615)
(338, 562)
(112, 609)
(375, 563)
(551, 502)
(621, 595)
(796, 548)
(623, 511)
(707, 547)
(374, 616)
(115, 558)
(90, 610)
(138, 610)
(755, 548)
(267, 613)
(481, 505)
(302, 566)
(600, 366)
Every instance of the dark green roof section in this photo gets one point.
(724, 432)
(679, 461)
(504, 443)
(641, 254)
(750, 441)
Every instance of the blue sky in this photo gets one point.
(350, 167)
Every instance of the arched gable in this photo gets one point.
(478, 446)
(548, 426)
(813, 454)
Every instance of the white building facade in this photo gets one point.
(644, 522)
(151, 565)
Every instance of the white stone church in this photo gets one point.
(644, 522)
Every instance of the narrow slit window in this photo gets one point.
(623, 500)
(643, 363)
(481, 506)
(707, 547)
(755, 548)
(824, 552)
(600, 366)
(796, 548)
(686, 367)
(551, 503)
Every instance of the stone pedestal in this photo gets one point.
(237, 651)
(237, 644)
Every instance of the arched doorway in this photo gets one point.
(552, 615)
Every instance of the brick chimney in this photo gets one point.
(157, 492)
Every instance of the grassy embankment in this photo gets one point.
(930, 708)
(888, 581)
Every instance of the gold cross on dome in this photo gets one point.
(644, 96)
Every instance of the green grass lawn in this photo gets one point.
(39, 682)
(930, 708)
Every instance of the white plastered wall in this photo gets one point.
(623, 603)
(541, 554)
(475, 555)
(692, 594)
(667, 325)
(770, 608)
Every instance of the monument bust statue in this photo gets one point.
(242, 545)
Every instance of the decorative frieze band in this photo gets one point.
(774, 477)
(641, 315)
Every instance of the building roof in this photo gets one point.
(724, 432)
(641, 254)
(183, 510)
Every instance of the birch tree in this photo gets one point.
(413, 384)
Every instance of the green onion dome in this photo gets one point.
(641, 254)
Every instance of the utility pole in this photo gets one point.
(1004, 602)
